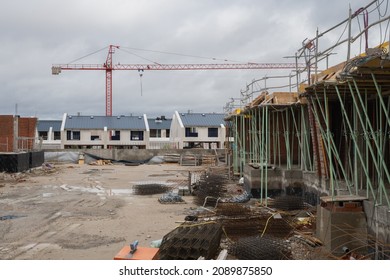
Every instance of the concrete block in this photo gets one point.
(37, 158)
(339, 229)
(292, 174)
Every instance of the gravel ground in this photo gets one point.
(85, 212)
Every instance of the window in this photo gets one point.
(191, 132)
(95, 137)
(72, 135)
(116, 135)
(213, 132)
(137, 135)
(57, 135)
(167, 133)
(155, 133)
(43, 135)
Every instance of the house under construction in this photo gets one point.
(327, 141)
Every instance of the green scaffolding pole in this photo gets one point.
(353, 136)
(383, 137)
(274, 138)
(331, 146)
(287, 141)
(236, 146)
(262, 144)
(278, 136)
(267, 141)
(243, 148)
(326, 136)
(306, 147)
(297, 134)
(381, 165)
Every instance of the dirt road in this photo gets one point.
(85, 212)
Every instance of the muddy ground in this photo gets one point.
(84, 211)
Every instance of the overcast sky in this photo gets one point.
(36, 34)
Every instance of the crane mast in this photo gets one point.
(109, 67)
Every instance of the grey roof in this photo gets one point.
(159, 123)
(44, 125)
(199, 119)
(99, 122)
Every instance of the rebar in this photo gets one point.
(189, 242)
(210, 186)
(150, 188)
(261, 248)
(287, 203)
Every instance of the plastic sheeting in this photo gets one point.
(63, 157)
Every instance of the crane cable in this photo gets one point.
(141, 73)
(73, 61)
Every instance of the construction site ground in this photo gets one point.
(72, 211)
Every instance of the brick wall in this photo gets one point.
(6, 133)
(26, 128)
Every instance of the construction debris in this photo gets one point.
(172, 158)
(101, 162)
(210, 160)
(189, 160)
(171, 198)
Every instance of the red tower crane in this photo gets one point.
(108, 66)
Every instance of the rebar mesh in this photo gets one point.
(287, 203)
(189, 242)
(150, 188)
(232, 209)
(255, 225)
(210, 186)
(261, 248)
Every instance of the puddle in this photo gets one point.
(96, 170)
(10, 217)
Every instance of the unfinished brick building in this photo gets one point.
(17, 133)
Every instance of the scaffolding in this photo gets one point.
(338, 126)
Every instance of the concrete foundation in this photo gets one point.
(281, 181)
(14, 162)
(342, 231)
(19, 162)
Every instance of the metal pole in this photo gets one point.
(262, 155)
(278, 135)
(349, 33)
(297, 133)
(266, 154)
(329, 136)
(332, 144)
(353, 136)
(371, 132)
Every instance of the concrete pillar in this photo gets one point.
(16, 134)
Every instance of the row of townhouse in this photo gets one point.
(183, 130)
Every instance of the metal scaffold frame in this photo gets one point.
(363, 166)
(303, 135)
(270, 135)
